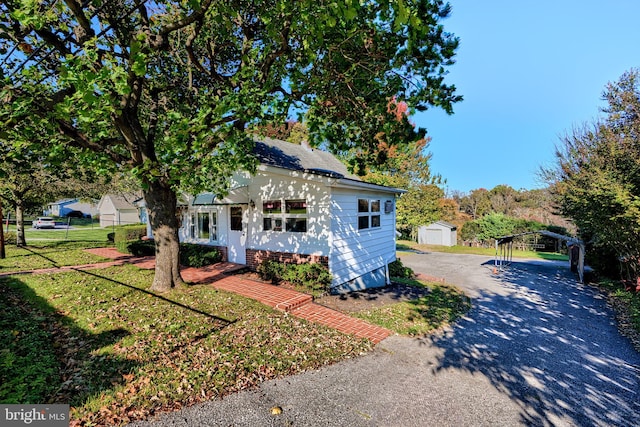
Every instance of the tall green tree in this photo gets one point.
(477, 203)
(31, 179)
(596, 177)
(503, 199)
(27, 181)
(165, 89)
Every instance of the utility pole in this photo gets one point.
(2, 253)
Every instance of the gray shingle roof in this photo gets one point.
(301, 158)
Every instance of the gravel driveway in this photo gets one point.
(537, 349)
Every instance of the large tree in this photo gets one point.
(596, 178)
(477, 203)
(166, 89)
(28, 177)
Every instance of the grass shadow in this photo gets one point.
(46, 357)
(222, 321)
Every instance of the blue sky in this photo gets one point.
(529, 72)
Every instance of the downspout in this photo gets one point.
(386, 273)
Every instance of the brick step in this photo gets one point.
(294, 303)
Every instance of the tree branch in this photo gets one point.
(190, 52)
(85, 31)
(161, 38)
(283, 48)
(81, 140)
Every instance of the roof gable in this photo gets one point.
(121, 201)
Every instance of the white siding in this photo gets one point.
(357, 252)
(269, 186)
(108, 216)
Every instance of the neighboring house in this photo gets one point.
(301, 205)
(439, 233)
(121, 209)
(63, 207)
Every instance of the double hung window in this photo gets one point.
(368, 213)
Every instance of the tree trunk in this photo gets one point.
(3, 254)
(20, 239)
(161, 203)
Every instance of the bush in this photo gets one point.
(142, 248)
(10, 238)
(310, 277)
(271, 271)
(190, 255)
(397, 269)
(314, 277)
(125, 235)
(198, 255)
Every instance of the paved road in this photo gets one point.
(536, 349)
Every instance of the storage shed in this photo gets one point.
(439, 233)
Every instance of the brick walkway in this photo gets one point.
(297, 303)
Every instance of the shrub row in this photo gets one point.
(198, 255)
(312, 277)
(128, 234)
(190, 255)
(128, 239)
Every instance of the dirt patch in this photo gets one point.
(372, 298)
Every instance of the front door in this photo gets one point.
(237, 234)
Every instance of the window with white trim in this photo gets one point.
(368, 213)
(292, 215)
(296, 215)
(204, 226)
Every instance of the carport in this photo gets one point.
(504, 250)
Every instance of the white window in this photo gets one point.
(272, 215)
(292, 214)
(204, 226)
(296, 215)
(368, 213)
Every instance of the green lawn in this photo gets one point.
(82, 230)
(46, 254)
(442, 306)
(407, 245)
(115, 352)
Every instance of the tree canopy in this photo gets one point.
(596, 177)
(166, 89)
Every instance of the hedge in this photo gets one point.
(190, 255)
(125, 235)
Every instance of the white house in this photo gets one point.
(439, 233)
(121, 209)
(301, 205)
